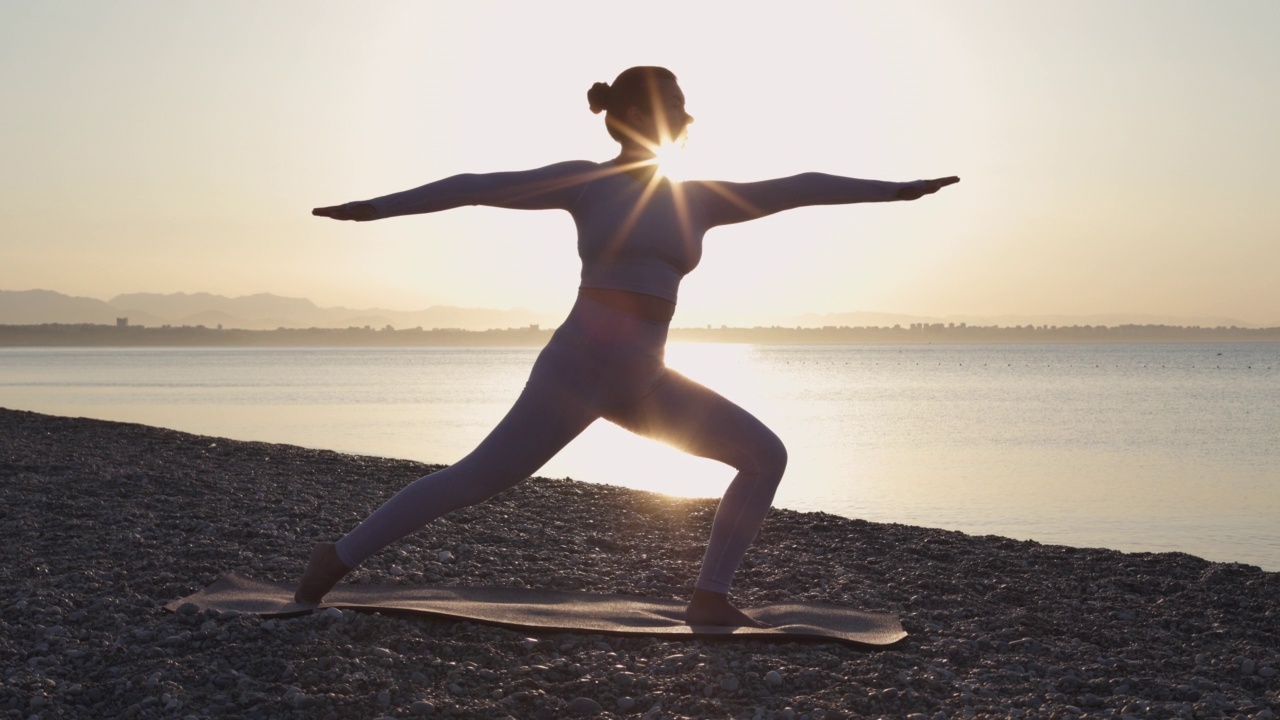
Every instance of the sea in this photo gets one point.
(1134, 447)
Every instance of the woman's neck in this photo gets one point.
(635, 156)
(639, 164)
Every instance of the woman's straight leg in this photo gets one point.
(558, 402)
(545, 418)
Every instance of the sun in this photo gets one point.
(672, 161)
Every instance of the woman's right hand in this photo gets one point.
(920, 188)
(347, 211)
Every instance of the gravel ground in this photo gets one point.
(105, 522)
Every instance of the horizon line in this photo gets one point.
(993, 318)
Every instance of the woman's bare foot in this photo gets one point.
(324, 570)
(711, 608)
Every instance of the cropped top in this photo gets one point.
(637, 236)
(634, 234)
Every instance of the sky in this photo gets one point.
(1117, 157)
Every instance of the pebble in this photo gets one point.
(584, 706)
(999, 628)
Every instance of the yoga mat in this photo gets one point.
(553, 610)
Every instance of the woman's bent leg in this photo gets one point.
(700, 421)
(543, 420)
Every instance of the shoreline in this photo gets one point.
(89, 335)
(108, 521)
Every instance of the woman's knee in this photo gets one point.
(769, 454)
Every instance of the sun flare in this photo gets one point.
(672, 161)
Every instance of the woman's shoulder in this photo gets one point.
(568, 172)
(572, 167)
(576, 165)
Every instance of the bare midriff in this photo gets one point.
(649, 308)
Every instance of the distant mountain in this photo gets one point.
(37, 307)
(260, 307)
(871, 319)
(1111, 320)
(854, 319)
(250, 312)
(265, 311)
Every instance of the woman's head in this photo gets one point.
(643, 107)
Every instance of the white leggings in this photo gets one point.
(600, 363)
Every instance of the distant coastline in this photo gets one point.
(91, 335)
(264, 311)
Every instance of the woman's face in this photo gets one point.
(670, 118)
(667, 121)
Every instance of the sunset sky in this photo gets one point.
(1117, 157)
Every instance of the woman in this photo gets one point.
(638, 235)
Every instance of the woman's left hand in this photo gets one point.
(348, 211)
(920, 188)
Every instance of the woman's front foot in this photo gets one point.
(712, 608)
(324, 570)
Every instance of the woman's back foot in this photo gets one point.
(711, 608)
(324, 570)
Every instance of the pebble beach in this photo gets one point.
(106, 522)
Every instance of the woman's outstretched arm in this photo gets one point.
(728, 202)
(550, 187)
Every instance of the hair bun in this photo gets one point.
(599, 96)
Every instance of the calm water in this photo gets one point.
(1133, 447)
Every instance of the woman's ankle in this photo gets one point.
(324, 569)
